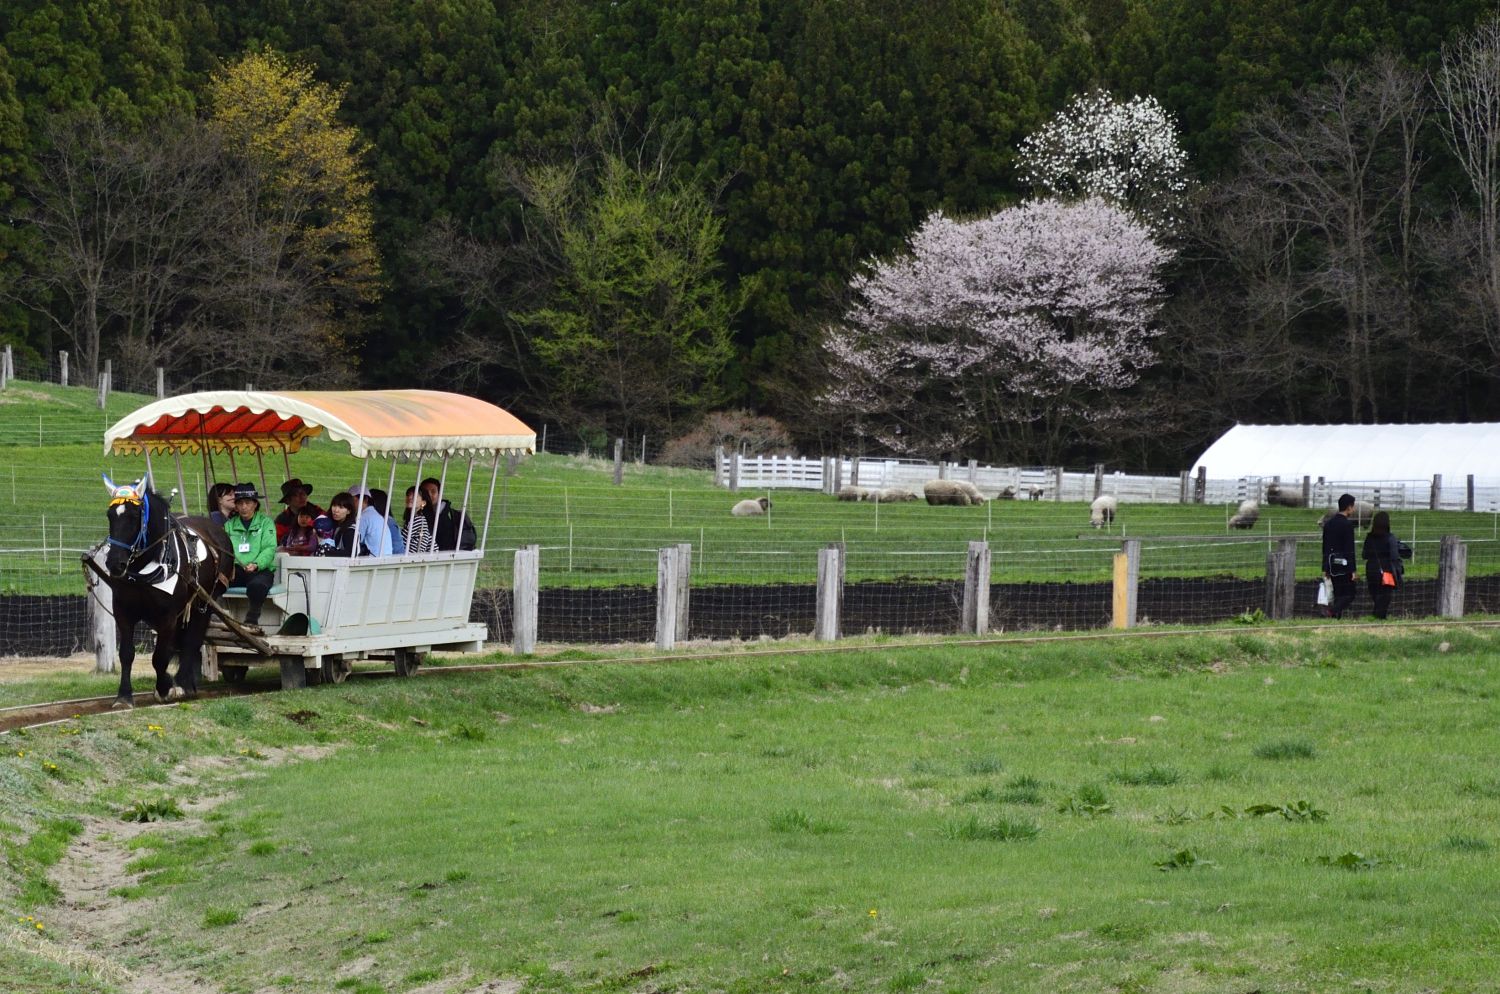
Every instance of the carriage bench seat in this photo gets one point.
(279, 588)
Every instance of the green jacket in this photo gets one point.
(254, 542)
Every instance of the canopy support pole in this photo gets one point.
(260, 460)
(417, 495)
(359, 512)
(286, 460)
(437, 514)
(390, 499)
(234, 468)
(463, 512)
(150, 476)
(489, 505)
(181, 483)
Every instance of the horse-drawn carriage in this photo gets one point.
(322, 613)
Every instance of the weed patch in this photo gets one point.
(1286, 749)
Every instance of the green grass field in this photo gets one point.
(1250, 811)
(595, 534)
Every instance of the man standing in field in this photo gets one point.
(1338, 556)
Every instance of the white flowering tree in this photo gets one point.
(1007, 331)
(1125, 153)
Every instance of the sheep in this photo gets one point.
(952, 492)
(1276, 494)
(975, 497)
(1009, 493)
(893, 495)
(848, 492)
(1035, 493)
(1246, 516)
(1102, 511)
(1363, 512)
(751, 508)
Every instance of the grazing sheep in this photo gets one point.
(949, 492)
(1246, 516)
(1102, 511)
(1363, 512)
(1278, 495)
(848, 492)
(1009, 493)
(1035, 493)
(975, 497)
(751, 508)
(894, 495)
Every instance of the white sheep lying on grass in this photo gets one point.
(850, 492)
(1102, 511)
(894, 495)
(751, 508)
(1246, 516)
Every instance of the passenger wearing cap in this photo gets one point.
(252, 536)
(374, 536)
(294, 494)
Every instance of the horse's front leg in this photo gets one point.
(161, 659)
(125, 641)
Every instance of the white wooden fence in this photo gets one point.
(829, 473)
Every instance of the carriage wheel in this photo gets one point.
(407, 661)
(233, 674)
(336, 669)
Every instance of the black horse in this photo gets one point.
(159, 568)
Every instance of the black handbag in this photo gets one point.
(1403, 550)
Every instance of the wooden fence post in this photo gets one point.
(5, 373)
(161, 382)
(1200, 486)
(102, 636)
(1281, 579)
(666, 597)
(524, 603)
(1437, 492)
(104, 379)
(1098, 479)
(942, 469)
(974, 471)
(62, 358)
(619, 461)
(734, 471)
(830, 593)
(684, 588)
(1307, 491)
(1127, 580)
(718, 465)
(1057, 484)
(1182, 487)
(976, 608)
(1469, 495)
(1453, 568)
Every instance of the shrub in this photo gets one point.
(732, 429)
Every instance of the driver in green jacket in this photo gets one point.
(252, 536)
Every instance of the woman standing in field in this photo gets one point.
(1383, 567)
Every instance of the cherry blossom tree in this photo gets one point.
(1009, 331)
(1125, 153)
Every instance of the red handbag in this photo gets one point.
(1387, 578)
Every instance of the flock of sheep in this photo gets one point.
(961, 493)
(957, 493)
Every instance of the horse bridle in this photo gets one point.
(129, 495)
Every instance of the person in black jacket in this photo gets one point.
(451, 528)
(1382, 555)
(1338, 557)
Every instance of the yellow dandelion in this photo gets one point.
(40, 927)
(874, 913)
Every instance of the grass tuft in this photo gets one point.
(793, 820)
(1286, 749)
(1151, 776)
(220, 917)
(973, 829)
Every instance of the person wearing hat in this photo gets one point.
(374, 536)
(252, 536)
(294, 494)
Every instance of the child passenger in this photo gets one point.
(302, 538)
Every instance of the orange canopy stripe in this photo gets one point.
(397, 423)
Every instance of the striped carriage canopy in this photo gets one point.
(391, 423)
